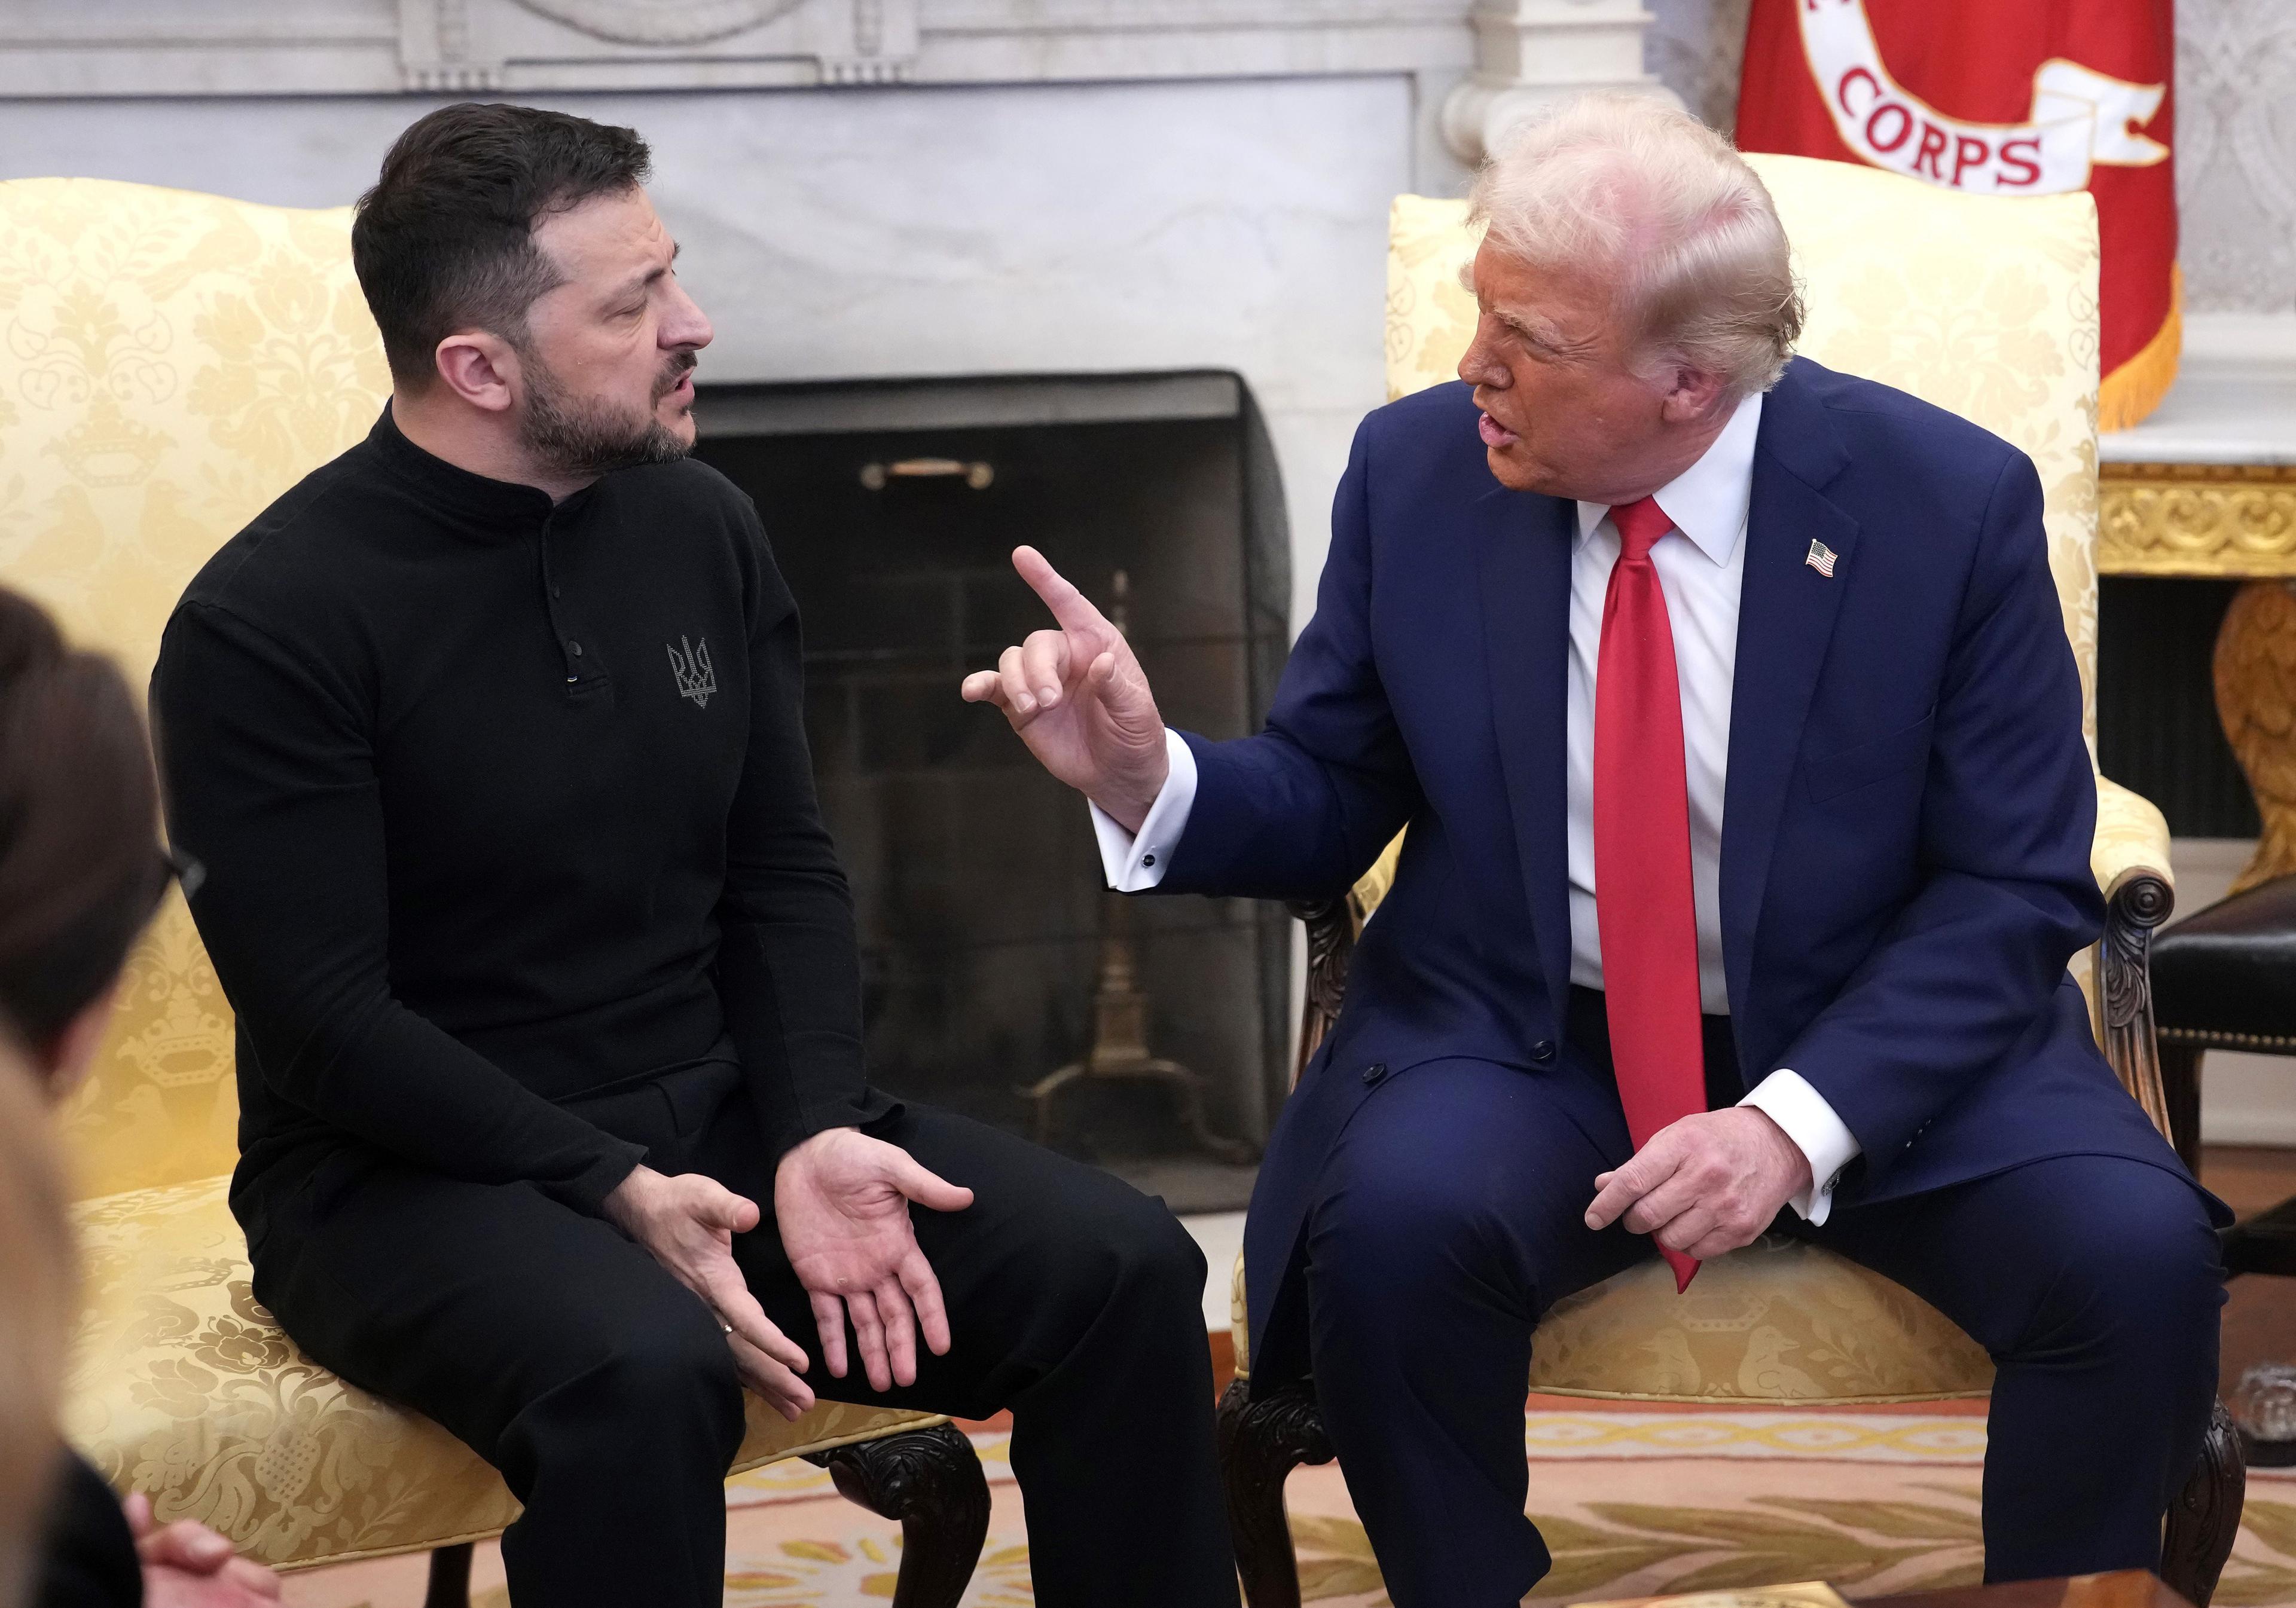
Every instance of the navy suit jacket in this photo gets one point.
(1907, 821)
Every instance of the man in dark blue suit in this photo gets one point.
(1771, 658)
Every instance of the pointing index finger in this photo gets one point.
(1071, 607)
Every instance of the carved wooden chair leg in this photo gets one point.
(1261, 1440)
(2205, 1518)
(450, 1578)
(930, 1482)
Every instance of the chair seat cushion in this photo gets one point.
(1780, 1321)
(184, 1387)
(2228, 974)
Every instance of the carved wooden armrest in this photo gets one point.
(2130, 860)
(1332, 927)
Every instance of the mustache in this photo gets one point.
(680, 366)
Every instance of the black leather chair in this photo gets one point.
(2226, 979)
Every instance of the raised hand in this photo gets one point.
(1078, 699)
(688, 1221)
(841, 1200)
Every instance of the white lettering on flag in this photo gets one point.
(2079, 117)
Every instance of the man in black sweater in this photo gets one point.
(554, 1125)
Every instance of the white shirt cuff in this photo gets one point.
(1787, 1099)
(1133, 864)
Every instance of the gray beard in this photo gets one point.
(581, 437)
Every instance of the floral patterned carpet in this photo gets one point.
(1631, 1503)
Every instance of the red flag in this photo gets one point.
(2007, 97)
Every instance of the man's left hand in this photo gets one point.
(1705, 1185)
(842, 1199)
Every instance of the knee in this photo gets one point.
(672, 1371)
(652, 1390)
(2140, 1259)
(1388, 1235)
(1159, 1262)
(1128, 1250)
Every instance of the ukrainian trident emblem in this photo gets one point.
(696, 678)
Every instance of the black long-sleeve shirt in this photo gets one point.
(502, 803)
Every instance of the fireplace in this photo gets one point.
(892, 508)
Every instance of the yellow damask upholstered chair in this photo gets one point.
(1986, 306)
(173, 363)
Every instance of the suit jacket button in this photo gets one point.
(1373, 1072)
(1543, 1051)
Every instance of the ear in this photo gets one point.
(66, 1060)
(1691, 395)
(480, 367)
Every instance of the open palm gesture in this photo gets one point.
(841, 1200)
(1076, 696)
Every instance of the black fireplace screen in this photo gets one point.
(892, 509)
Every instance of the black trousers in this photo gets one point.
(563, 1354)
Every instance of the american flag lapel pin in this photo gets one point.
(1821, 559)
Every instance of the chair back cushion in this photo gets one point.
(173, 363)
(1983, 304)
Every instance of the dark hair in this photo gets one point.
(80, 865)
(444, 241)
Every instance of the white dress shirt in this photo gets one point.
(1701, 563)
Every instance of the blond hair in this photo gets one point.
(1630, 187)
(37, 1290)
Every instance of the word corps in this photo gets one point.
(2080, 117)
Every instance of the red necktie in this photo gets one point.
(1642, 904)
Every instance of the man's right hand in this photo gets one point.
(688, 1221)
(1078, 699)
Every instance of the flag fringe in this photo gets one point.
(2136, 387)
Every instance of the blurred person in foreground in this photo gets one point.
(1729, 706)
(554, 1124)
(81, 871)
(35, 1322)
(36, 1319)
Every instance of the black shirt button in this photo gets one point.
(556, 592)
(1373, 1072)
(1543, 1051)
(575, 649)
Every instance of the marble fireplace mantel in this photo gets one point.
(1478, 63)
